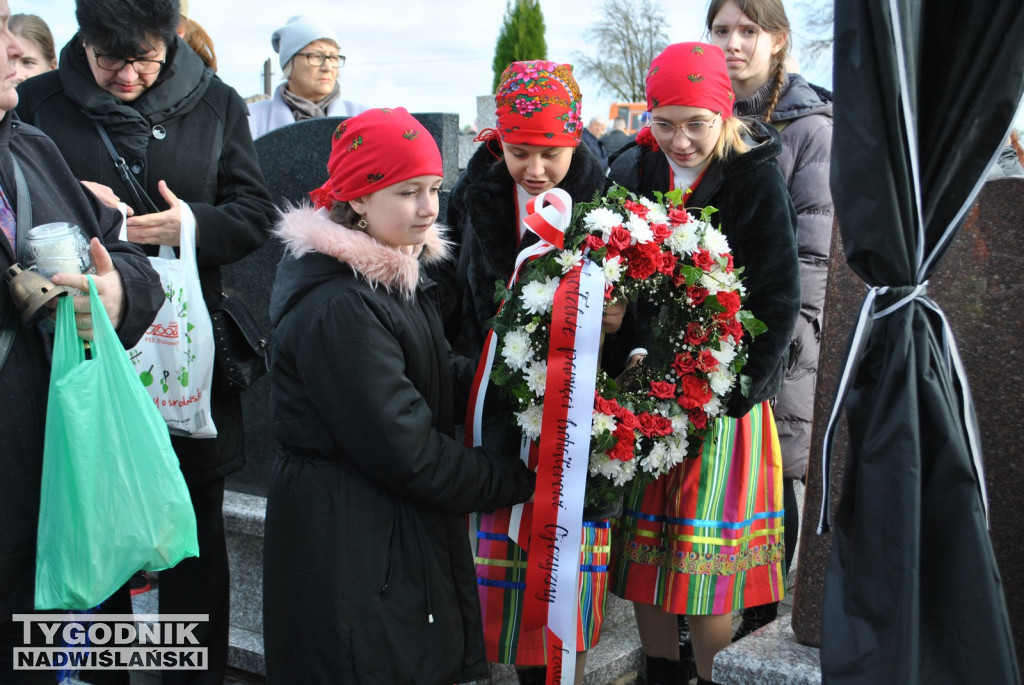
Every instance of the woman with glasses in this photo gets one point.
(310, 60)
(707, 538)
(754, 35)
(185, 142)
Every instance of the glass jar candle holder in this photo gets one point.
(58, 247)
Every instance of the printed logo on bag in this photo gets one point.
(110, 642)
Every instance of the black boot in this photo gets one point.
(531, 675)
(687, 665)
(756, 617)
(658, 671)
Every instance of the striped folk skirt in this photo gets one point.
(707, 537)
(501, 581)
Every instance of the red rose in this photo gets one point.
(662, 426)
(620, 238)
(730, 300)
(697, 294)
(684, 364)
(661, 232)
(603, 406)
(706, 361)
(678, 216)
(594, 242)
(625, 439)
(647, 424)
(702, 259)
(628, 419)
(731, 328)
(696, 392)
(695, 333)
(636, 208)
(668, 263)
(679, 278)
(698, 418)
(640, 262)
(729, 266)
(663, 390)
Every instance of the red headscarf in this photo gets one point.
(376, 149)
(538, 103)
(691, 75)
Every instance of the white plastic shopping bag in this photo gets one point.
(174, 359)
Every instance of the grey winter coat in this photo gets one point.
(804, 118)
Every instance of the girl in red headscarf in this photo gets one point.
(707, 538)
(534, 148)
(368, 576)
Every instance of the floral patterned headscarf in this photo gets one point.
(539, 103)
(376, 149)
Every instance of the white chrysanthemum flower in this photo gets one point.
(715, 241)
(627, 469)
(640, 230)
(684, 239)
(679, 424)
(601, 219)
(714, 408)
(613, 269)
(516, 350)
(530, 327)
(537, 378)
(721, 381)
(657, 214)
(601, 465)
(539, 297)
(726, 354)
(676, 449)
(530, 420)
(656, 461)
(712, 281)
(567, 259)
(602, 423)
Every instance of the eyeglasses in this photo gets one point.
(141, 66)
(317, 59)
(694, 130)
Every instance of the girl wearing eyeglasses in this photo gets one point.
(754, 35)
(707, 538)
(310, 61)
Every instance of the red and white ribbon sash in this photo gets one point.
(551, 597)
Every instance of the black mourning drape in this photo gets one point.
(925, 94)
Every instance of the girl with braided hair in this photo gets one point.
(755, 37)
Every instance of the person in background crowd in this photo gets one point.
(613, 141)
(592, 137)
(184, 136)
(754, 35)
(37, 55)
(707, 538)
(368, 575)
(197, 38)
(310, 59)
(131, 294)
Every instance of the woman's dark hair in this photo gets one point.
(126, 28)
(343, 213)
(33, 28)
(770, 15)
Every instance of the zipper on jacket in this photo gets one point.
(391, 549)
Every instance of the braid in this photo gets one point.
(780, 77)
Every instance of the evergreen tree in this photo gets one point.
(521, 37)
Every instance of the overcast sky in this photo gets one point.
(426, 55)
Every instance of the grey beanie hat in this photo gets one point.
(299, 32)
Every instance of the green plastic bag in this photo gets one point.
(113, 499)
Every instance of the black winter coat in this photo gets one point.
(368, 572)
(482, 218)
(757, 217)
(25, 378)
(804, 117)
(191, 130)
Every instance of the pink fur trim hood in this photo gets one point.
(305, 229)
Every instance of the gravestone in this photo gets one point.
(978, 285)
(294, 161)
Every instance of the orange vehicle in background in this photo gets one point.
(633, 113)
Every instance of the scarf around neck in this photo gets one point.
(303, 109)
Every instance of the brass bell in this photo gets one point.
(31, 292)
